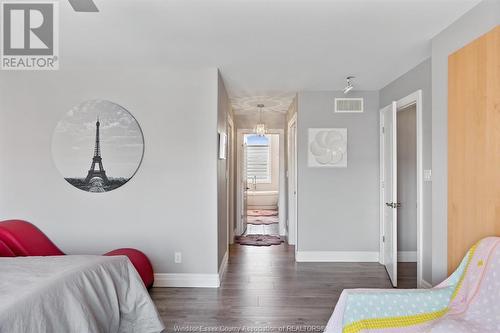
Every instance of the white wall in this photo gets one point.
(478, 21)
(338, 208)
(171, 203)
(223, 111)
(419, 78)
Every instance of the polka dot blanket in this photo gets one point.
(467, 302)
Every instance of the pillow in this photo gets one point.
(5, 251)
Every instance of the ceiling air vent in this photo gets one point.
(349, 105)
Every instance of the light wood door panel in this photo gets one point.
(473, 145)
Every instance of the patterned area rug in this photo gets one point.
(259, 240)
(262, 220)
(262, 212)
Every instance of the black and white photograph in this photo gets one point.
(98, 146)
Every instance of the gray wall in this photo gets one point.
(171, 203)
(407, 178)
(478, 21)
(223, 109)
(338, 208)
(419, 78)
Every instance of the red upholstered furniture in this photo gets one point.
(21, 238)
(5, 251)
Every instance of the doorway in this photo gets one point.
(406, 121)
(261, 164)
(401, 245)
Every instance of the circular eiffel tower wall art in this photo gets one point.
(98, 146)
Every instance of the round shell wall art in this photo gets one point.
(98, 146)
(327, 147)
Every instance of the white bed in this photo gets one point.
(73, 294)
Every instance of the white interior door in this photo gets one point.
(244, 187)
(389, 190)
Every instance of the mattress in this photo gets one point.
(74, 294)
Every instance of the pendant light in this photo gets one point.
(260, 128)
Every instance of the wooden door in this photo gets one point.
(473, 145)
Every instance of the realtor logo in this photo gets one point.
(30, 35)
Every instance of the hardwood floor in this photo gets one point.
(407, 275)
(265, 289)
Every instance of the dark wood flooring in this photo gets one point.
(265, 289)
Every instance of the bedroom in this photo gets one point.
(163, 80)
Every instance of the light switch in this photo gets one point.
(427, 175)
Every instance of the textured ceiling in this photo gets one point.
(272, 103)
(274, 120)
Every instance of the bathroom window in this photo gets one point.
(258, 159)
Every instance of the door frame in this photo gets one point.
(240, 228)
(230, 179)
(292, 161)
(412, 99)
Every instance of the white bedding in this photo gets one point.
(66, 294)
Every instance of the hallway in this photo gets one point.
(264, 288)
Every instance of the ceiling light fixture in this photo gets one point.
(349, 85)
(260, 128)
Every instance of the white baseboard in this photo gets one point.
(191, 280)
(407, 256)
(336, 256)
(188, 280)
(424, 284)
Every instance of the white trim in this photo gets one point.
(186, 280)
(239, 209)
(336, 256)
(192, 280)
(292, 159)
(407, 256)
(282, 184)
(426, 285)
(230, 180)
(414, 98)
(223, 267)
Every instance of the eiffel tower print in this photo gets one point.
(97, 159)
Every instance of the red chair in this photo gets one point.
(21, 238)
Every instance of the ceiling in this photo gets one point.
(272, 103)
(272, 119)
(266, 49)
